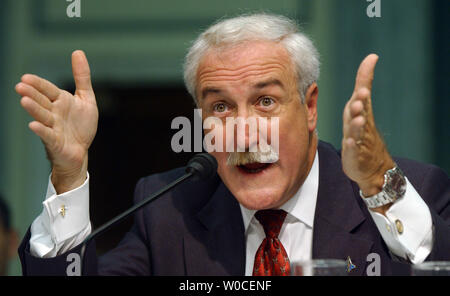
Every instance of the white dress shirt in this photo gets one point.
(53, 233)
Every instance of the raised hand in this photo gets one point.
(365, 158)
(66, 123)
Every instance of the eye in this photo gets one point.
(266, 101)
(220, 107)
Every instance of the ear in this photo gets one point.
(311, 105)
(13, 243)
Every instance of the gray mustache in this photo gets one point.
(242, 158)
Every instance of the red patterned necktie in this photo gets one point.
(271, 257)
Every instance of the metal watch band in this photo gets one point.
(394, 187)
(377, 200)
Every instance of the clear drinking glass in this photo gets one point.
(431, 268)
(319, 267)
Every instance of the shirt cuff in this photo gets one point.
(67, 214)
(407, 227)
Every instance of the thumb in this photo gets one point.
(81, 71)
(364, 76)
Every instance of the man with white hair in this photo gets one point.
(254, 217)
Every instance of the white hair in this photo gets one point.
(233, 31)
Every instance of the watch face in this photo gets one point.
(395, 183)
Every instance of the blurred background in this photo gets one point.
(135, 49)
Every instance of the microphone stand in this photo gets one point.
(128, 212)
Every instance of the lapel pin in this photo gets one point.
(350, 264)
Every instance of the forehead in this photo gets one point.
(244, 63)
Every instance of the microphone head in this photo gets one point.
(202, 166)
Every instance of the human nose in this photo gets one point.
(245, 130)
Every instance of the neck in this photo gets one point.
(313, 142)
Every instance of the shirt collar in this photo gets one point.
(302, 205)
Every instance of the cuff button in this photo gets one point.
(388, 228)
(63, 210)
(399, 226)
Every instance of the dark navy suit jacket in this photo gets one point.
(197, 228)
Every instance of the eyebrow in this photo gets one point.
(259, 85)
(210, 90)
(269, 82)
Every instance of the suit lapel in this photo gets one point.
(337, 214)
(218, 247)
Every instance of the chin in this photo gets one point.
(266, 197)
(255, 186)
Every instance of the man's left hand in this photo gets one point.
(365, 158)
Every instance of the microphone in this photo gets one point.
(201, 166)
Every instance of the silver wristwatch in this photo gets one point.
(394, 187)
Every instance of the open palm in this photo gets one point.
(66, 123)
(365, 158)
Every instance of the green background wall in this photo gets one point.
(144, 41)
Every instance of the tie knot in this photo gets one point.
(271, 221)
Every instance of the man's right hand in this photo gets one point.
(66, 123)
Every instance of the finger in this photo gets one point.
(364, 76)
(360, 97)
(45, 87)
(356, 128)
(46, 134)
(347, 117)
(349, 149)
(356, 108)
(38, 112)
(27, 90)
(81, 71)
(357, 104)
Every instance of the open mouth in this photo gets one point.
(253, 168)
